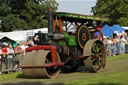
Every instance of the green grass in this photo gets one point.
(120, 78)
(122, 56)
(10, 76)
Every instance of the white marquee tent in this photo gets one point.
(21, 35)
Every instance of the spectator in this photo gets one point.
(18, 57)
(0, 51)
(109, 43)
(0, 57)
(4, 57)
(126, 36)
(10, 56)
(123, 40)
(118, 44)
(21, 43)
(105, 41)
(24, 46)
(114, 50)
(30, 44)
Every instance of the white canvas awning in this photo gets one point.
(126, 28)
(21, 35)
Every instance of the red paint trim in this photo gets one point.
(99, 29)
(53, 54)
(77, 25)
(44, 47)
(54, 64)
(60, 25)
(56, 24)
(81, 57)
(41, 67)
(32, 67)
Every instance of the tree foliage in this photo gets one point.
(116, 10)
(24, 14)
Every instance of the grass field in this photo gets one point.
(113, 58)
(10, 76)
(120, 78)
(109, 78)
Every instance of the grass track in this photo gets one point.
(10, 76)
(120, 78)
(112, 77)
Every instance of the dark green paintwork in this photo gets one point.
(79, 16)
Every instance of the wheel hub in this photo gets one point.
(97, 55)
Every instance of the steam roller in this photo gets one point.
(65, 51)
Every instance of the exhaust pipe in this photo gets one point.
(50, 20)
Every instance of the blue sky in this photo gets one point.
(76, 6)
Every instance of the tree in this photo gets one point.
(12, 22)
(27, 13)
(116, 10)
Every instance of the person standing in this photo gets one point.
(4, 57)
(24, 46)
(114, 47)
(123, 40)
(109, 43)
(118, 45)
(0, 58)
(105, 41)
(10, 56)
(18, 57)
(30, 43)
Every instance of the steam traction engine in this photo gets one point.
(66, 50)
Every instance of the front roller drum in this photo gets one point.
(95, 55)
(40, 58)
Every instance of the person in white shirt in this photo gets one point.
(123, 40)
(10, 56)
(24, 46)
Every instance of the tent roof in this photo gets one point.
(117, 28)
(106, 30)
(6, 38)
(125, 28)
(22, 35)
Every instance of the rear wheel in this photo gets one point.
(95, 53)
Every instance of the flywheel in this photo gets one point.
(82, 36)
